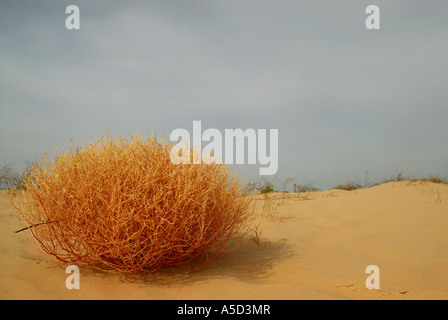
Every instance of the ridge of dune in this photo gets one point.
(315, 245)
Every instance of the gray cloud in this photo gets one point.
(344, 99)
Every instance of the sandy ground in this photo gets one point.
(311, 246)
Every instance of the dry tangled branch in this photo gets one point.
(123, 205)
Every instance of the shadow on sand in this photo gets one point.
(250, 263)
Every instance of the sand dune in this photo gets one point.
(313, 246)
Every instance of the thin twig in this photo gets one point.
(32, 226)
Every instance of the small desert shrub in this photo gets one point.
(260, 186)
(435, 179)
(9, 179)
(269, 206)
(256, 235)
(123, 205)
(349, 186)
(396, 177)
(267, 187)
(301, 188)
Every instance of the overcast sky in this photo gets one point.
(344, 99)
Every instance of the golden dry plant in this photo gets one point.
(121, 204)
